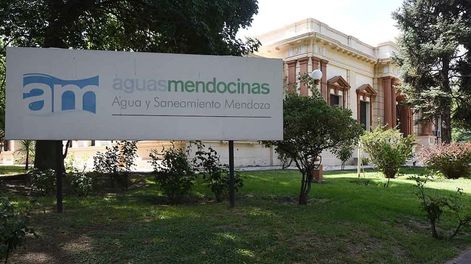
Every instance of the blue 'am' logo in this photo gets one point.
(44, 93)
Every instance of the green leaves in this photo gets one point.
(387, 149)
(215, 174)
(13, 228)
(435, 205)
(173, 172)
(311, 126)
(199, 26)
(435, 61)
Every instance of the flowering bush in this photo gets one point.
(452, 160)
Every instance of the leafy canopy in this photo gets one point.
(311, 126)
(435, 61)
(200, 26)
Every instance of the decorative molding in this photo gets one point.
(366, 90)
(338, 82)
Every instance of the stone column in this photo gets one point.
(393, 104)
(404, 112)
(372, 100)
(386, 82)
(315, 63)
(291, 76)
(302, 70)
(324, 89)
(358, 106)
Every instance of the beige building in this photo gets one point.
(356, 76)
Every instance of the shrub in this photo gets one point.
(13, 228)
(214, 173)
(436, 205)
(127, 154)
(107, 162)
(452, 160)
(81, 183)
(43, 181)
(173, 173)
(387, 149)
(117, 161)
(344, 153)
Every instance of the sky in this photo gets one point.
(368, 20)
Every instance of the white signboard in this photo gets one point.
(60, 94)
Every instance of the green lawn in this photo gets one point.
(345, 222)
(8, 170)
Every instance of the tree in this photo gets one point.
(311, 126)
(2, 85)
(26, 151)
(199, 27)
(461, 135)
(462, 114)
(344, 153)
(435, 60)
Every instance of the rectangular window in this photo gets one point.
(365, 114)
(335, 100)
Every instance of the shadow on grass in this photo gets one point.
(123, 232)
(344, 222)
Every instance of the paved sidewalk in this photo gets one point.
(464, 258)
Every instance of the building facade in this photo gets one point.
(356, 76)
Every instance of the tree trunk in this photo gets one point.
(27, 158)
(47, 150)
(446, 125)
(434, 229)
(446, 104)
(305, 187)
(59, 175)
(302, 193)
(46, 154)
(302, 199)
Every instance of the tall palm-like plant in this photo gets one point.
(27, 149)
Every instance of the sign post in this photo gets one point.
(59, 175)
(231, 174)
(56, 94)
